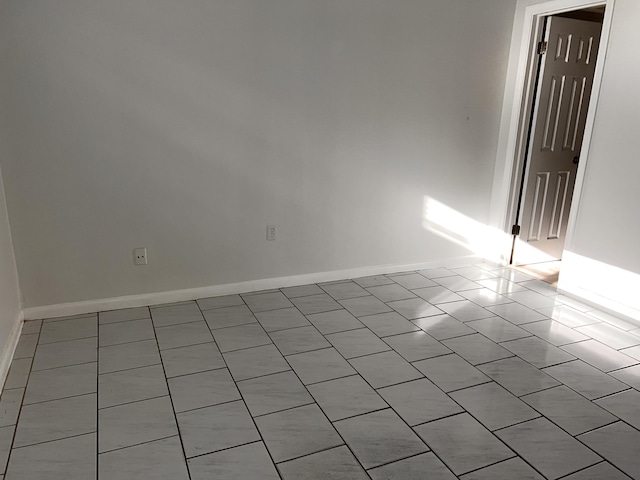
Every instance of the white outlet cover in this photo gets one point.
(140, 256)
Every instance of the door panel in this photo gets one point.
(566, 77)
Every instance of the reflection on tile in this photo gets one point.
(182, 335)
(451, 372)
(437, 294)
(419, 401)
(599, 355)
(632, 352)
(630, 376)
(229, 317)
(442, 327)
(273, 393)
(474, 273)
(337, 463)
(541, 287)
(618, 443)
(61, 382)
(391, 323)
(340, 291)
(514, 468)
(415, 308)
(485, 297)
(612, 320)
(64, 330)
(302, 291)
(131, 385)
(362, 306)
(62, 354)
(238, 463)
(220, 302)
(518, 376)
(316, 304)
(346, 397)
(567, 315)
(477, 349)
(416, 346)
(244, 336)
(123, 315)
(320, 365)
(191, 359)
(554, 332)
(612, 336)
(389, 293)
(462, 443)
(356, 343)
(466, 311)
(162, 459)
(298, 340)
(537, 352)
(128, 355)
(175, 314)
(413, 468)
(379, 437)
(231, 422)
(585, 379)
(457, 283)
(296, 432)
(516, 313)
(501, 285)
(202, 389)
(624, 405)
(384, 369)
(255, 362)
(532, 299)
(549, 449)
(281, 319)
(498, 329)
(334, 321)
(573, 303)
(266, 301)
(68, 459)
(493, 406)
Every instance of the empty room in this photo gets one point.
(319, 239)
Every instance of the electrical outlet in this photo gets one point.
(271, 232)
(140, 256)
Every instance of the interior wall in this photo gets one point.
(187, 127)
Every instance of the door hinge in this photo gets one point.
(515, 230)
(542, 48)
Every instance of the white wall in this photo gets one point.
(187, 127)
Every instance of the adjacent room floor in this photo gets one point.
(473, 372)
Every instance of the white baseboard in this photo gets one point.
(158, 298)
(9, 348)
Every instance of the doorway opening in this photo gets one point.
(563, 54)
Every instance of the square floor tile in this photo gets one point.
(537, 352)
(463, 443)
(210, 429)
(316, 304)
(598, 472)
(56, 419)
(203, 389)
(128, 355)
(335, 464)
(518, 376)
(514, 468)
(414, 308)
(389, 293)
(609, 335)
(273, 393)
(298, 340)
(419, 401)
(413, 468)
(243, 336)
(191, 359)
(451, 372)
(532, 299)
(334, 321)
(516, 313)
(438, 294)
(415, 346)
(297, 432)
(567, 316)
(379, 437)
(442, 327)
(302, 291)
(466, 311)
(175, 314)
(10, 404)
(61, 382)
(160, 460)
(266, 301)
(629, 375)
(493, 406)
(554, 332)
(599, 355)
(413, 281)
(457, 283)
(238, 463)
(391, 323)
(64, 330)
(255, 362)
(71, 458)
(131, 386)
(569, 410)
(362, 306)
(618, 443)
(212, 303)
(346, 397)
(436, 273)
(320, 365)
(498, 329)
(134, 423)
(229, 317)
(281, 319)
(384, 369)
(125, 332)
(585, 379)
(63, 354)
(624, 405)
(123, 315)
(340, 291)
(373, 281)
(551, 450)
(477, 349)
(182, 335)
(485, 297)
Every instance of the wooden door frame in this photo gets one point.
(516, 113)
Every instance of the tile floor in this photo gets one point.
(473, 372)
